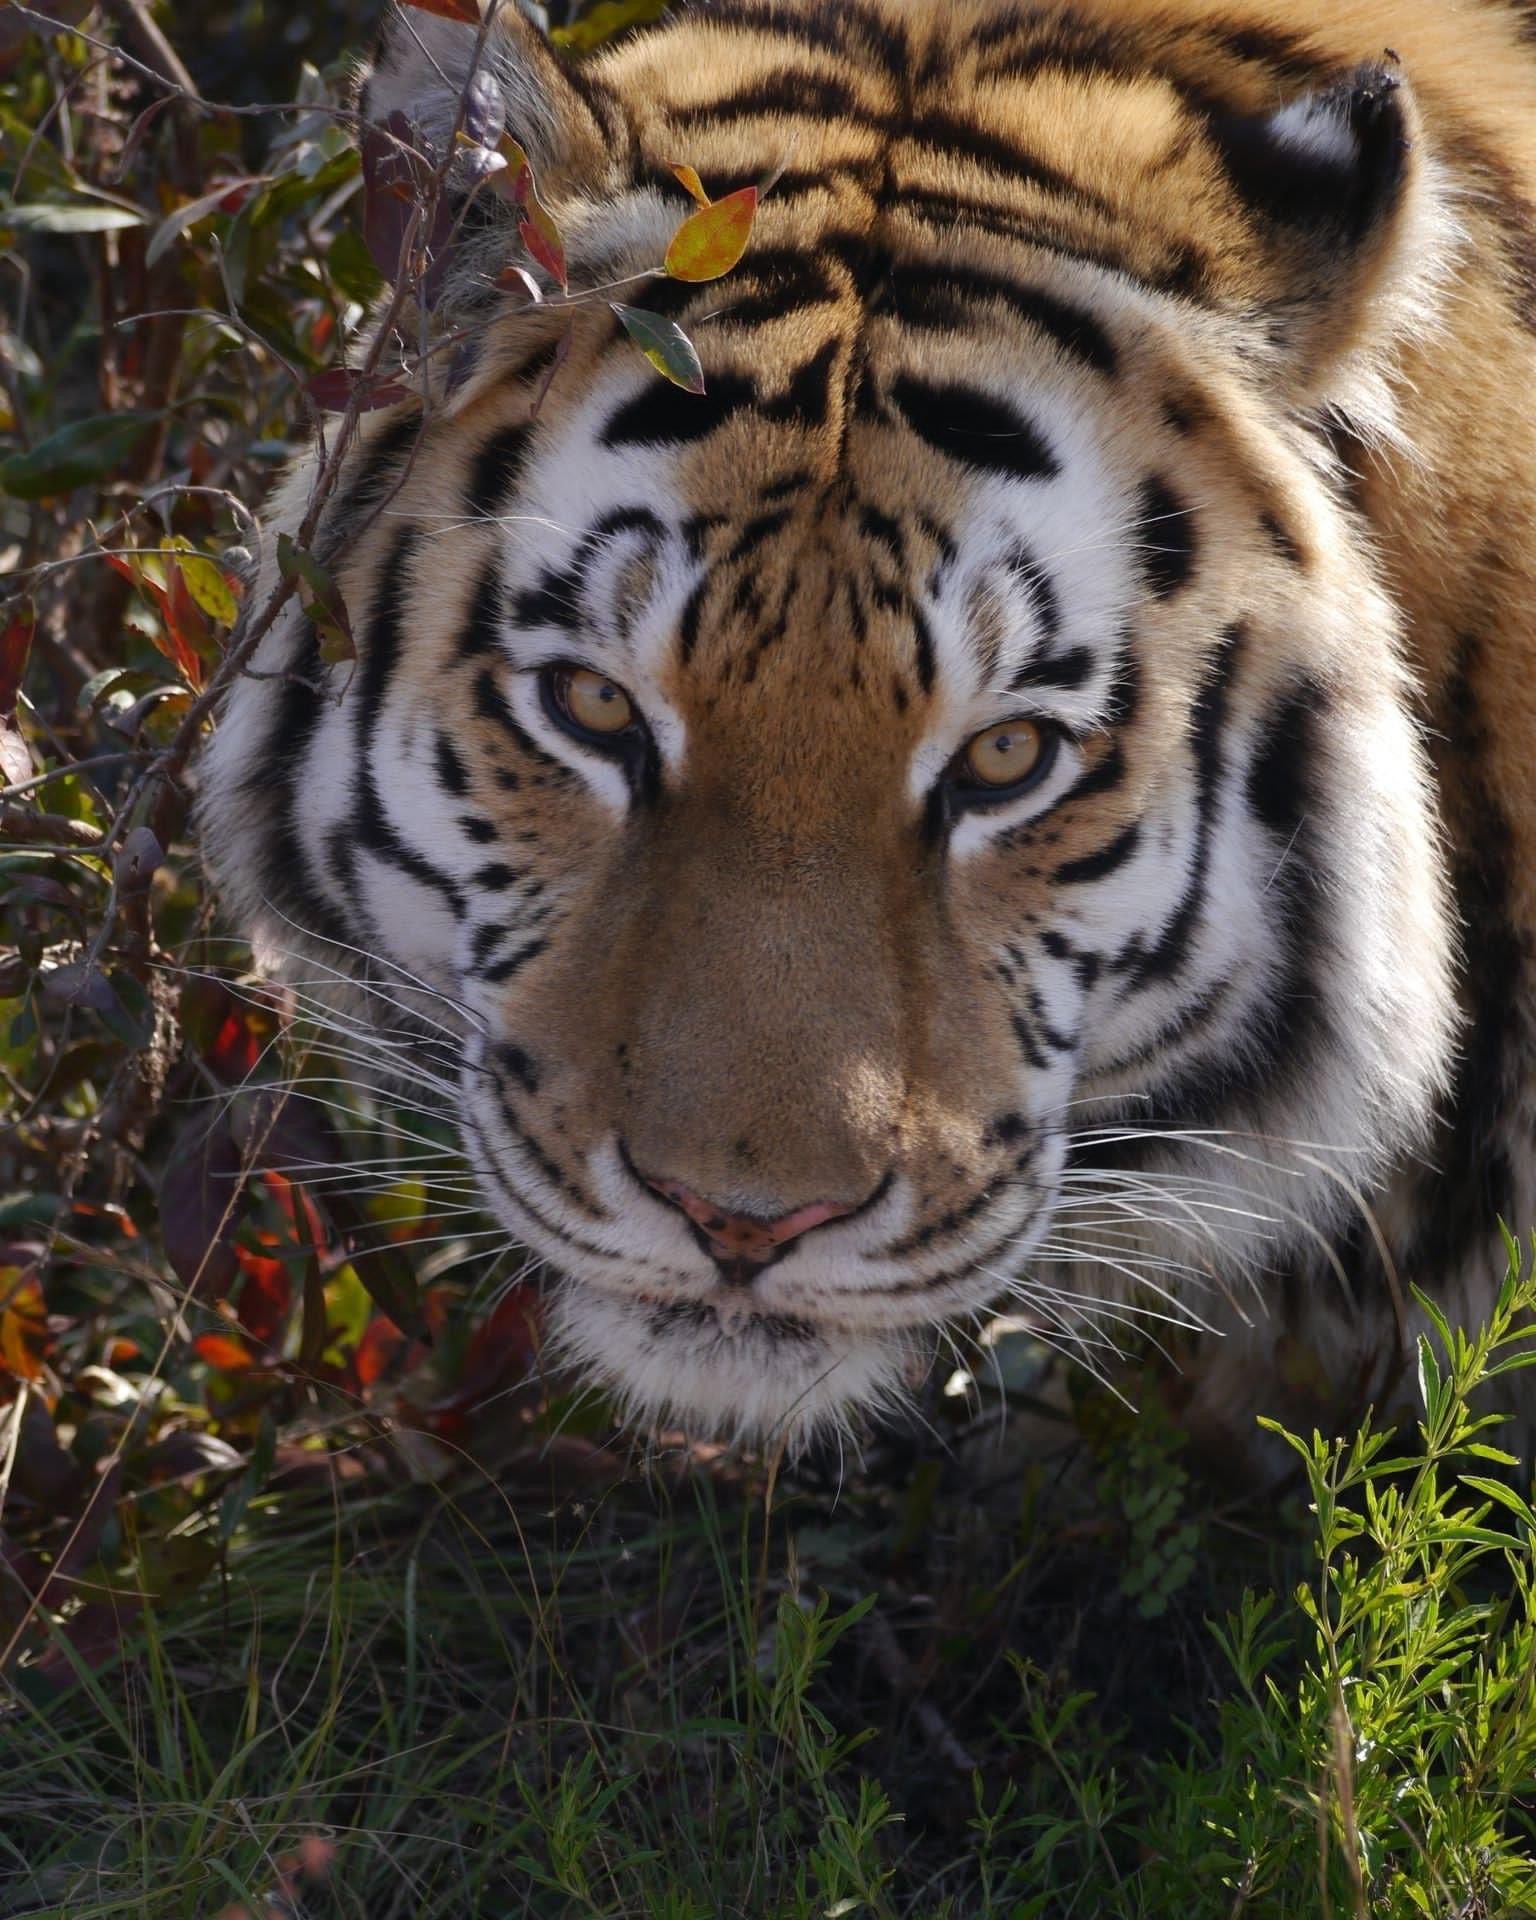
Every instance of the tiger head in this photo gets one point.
(941, 808)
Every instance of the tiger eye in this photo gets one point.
(1005, 755)
(595, 703)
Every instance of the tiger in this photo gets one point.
(1020, 797)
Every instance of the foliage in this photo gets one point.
(315, 1595)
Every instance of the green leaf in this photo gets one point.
(174, 225)
(1505, 1495)
(320, 598)
(129, 680)
(664, 344)
(351, 267)
(76, 456)
(49, 216)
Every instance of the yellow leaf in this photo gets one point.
(205, 582)
(691, 181)
(401, 1205)
(600, 23)
(711, 241)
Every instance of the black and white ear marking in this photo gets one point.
(1333, 161)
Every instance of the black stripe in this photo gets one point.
(520, 1065)
(452, 774)
(375, 468)
(1069, 671)
(936, 296)
(1103, 778)
(794, 92)
(926, 667)
(689, 619)
(489, 1164)
(880, 526)
(664, 415)
(1186, 273)
(756, 531)
(1166, 540)
(482, 630)
(1145, 965)
(845, 28)
(1477, 1186)
(771, 283)
(950, 135)
(496, 472)
(484, 941)
(375, 833)
(1098, 866)
(805, 402)
(287, 878)
(503, 970)
(972, 426)
(553, 601)
(1030, 574)
(491, 704)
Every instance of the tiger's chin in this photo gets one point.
(750, 1378)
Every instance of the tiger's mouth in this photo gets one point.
(744, 1372)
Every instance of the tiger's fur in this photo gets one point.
(1163, 369)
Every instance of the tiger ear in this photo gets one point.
(1331, 181)
(442, 74)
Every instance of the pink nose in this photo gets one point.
(739, 1236)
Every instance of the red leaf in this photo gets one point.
(543, 242)
(224, 1352)
(711, 241)
(190, 636)
(15, 645)
(227, 1032)
(300, 1211)
(505, 1345)
(235, 1049)
(266, 1296)
(337, 389)
(201, 1204)
(376, 1351)
(537, 228)
(519, 280)
(397, 178)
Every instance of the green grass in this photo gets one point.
(686, 1694)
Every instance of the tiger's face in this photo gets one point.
(865, 811)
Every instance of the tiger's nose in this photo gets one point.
(742, 1242)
